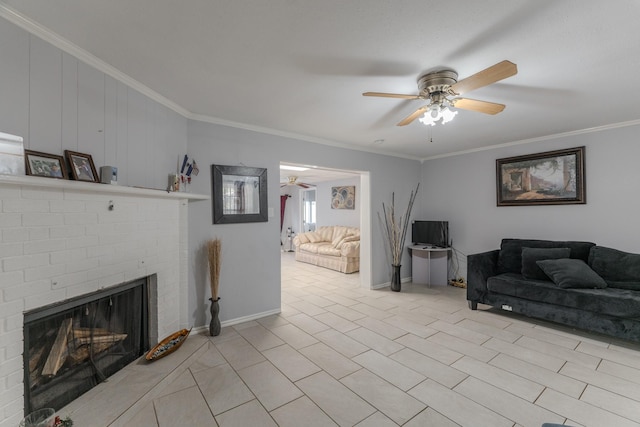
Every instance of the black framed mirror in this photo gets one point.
(239, 194)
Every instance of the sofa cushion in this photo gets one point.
(510, 256)
(328, 250)
(531, 270)
(302, 238)
(310, 247)
(619, 269)
(571, 273)
(613, 302)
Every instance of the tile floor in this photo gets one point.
(342, 355)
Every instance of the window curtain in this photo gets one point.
(283, 204)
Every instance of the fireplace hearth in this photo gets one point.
(71, 346)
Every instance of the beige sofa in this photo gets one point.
(335, 247)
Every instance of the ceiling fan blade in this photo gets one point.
(300, 184)
(490, 75)
(411, 117)
(479, 106)
(391, 95)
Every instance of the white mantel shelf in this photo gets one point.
(92, 187)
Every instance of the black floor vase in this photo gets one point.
(214, 326)
(395, 278)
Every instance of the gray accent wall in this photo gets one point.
(462, 190)
(250, 272)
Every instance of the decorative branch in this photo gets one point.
(214, 251)
(396, 229)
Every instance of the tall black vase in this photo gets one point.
(395, 278)
(214, 326)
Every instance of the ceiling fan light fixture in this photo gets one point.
(435, 113)
(447, 115)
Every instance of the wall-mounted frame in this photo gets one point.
(82, 167)
(549, 178)
(43, 164)
(239, 194)
(343, 197)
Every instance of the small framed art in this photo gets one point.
(82, 167)
(43, 164)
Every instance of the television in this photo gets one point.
(430, 233)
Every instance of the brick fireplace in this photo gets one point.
(62, 239)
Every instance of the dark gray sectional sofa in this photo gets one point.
(574, 283)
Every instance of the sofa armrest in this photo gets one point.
(350, 249)
(479, 268)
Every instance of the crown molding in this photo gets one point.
(538, 139)
(297, 136)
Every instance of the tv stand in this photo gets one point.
(429, 264)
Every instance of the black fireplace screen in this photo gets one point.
(72, 346)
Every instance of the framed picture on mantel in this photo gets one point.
(82, 167)
(548, 178)
(43, 164)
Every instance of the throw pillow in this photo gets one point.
(326, 233)
(337, 238)
(351, 239)
(314, 236)
(531, 270)
(619, 269)
(571, 273)
(302, 238)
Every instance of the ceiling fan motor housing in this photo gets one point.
(436, 82)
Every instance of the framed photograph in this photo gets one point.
(239, 194)
(549, 178)
(43, 164)
(82, 167)
(343, 197)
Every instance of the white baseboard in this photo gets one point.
(231, 322)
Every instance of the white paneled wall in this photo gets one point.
(57, 243)
(56, 103)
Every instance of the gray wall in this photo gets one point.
(462, 189)
(57, 103)
(329, 216)
(250, 276)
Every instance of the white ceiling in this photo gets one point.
(299, 67)
(314, 175)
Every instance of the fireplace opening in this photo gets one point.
(71, 346)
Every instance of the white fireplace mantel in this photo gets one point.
(92, 187)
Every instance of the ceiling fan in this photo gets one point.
(293, 180)
(438, 87)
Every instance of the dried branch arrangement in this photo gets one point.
(396, 228)
(214, 252)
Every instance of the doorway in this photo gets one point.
(309, 205)
(308, 210)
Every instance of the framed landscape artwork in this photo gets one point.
(549, 178)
